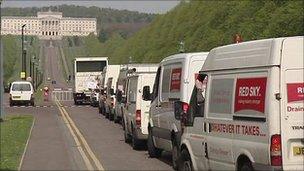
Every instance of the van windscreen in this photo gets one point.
(21, 87)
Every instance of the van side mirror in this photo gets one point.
(178, 109)
(146, 93)
(112, 92)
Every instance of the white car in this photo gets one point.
(21, 92)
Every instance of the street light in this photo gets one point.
(32, 66)
(1, 71)
(23, 53)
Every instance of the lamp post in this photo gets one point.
(32, 66)
(23, 53)
(1, 71)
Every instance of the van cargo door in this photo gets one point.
(292, 103)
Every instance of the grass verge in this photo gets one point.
(14, 134)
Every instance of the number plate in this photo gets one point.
(16, 97)
(297, 151)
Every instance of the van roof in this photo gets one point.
(256, 53)
(125, 66)
(184, 56)
(21, 82)
(91, 58)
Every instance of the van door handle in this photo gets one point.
(206, 150)
(205, 127)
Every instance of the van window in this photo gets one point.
(221, 96)
(132, 95)
(171, 82)
(166, 84)
(21, 87)
(156, 84)
(197, 102)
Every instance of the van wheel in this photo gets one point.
(32, 103)
(175, 154)
(152, 150)
(135, 142)
(11, 104)
(123, 123)
(127, 137)
(186, 163)
(246, 166)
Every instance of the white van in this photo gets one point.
(174, 81)
(247, 108)
(110, 71)
(112, 75)
(121, 86)
(21, 92)
(136, 114)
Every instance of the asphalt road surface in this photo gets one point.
(68, 137)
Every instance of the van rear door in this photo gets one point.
(292, 104)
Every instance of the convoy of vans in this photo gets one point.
(238, 107)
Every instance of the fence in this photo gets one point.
(62, 95)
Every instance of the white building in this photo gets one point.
(48, 25)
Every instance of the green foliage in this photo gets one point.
(14, 133)
(203, 25)
(12, 55)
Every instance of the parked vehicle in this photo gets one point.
(136, 115)
(86, 70)
(121, 85)
(94, 98)
(107, 101)
(246, 110)
(174, 81)
(21, 92)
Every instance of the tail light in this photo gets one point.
(184, 118)
(276, 150)
(138, 118)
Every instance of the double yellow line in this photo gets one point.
(90, 160)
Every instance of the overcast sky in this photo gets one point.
(148, 6)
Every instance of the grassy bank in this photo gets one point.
(14, 134)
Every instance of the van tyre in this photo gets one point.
(136, 143)
(152, 150)
(185, 161)
(246, 166)
(127, 137)
(175, 154)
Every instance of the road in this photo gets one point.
(68, 137)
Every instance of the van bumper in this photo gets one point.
(263, 167)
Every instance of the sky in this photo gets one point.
(147, 6)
